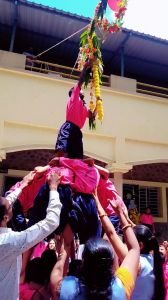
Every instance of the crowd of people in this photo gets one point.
(64, 242)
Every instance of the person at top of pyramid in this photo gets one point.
(69, 141)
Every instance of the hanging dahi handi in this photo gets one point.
(90, 49)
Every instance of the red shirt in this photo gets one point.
(76, 111)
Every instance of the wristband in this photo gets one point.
(126, 226)
(103, 215)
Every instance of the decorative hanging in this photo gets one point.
(90, 48)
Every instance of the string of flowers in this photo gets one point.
(90, 48)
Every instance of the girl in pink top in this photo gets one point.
(69, 141)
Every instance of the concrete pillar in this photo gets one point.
(14, 27)
(118, 169)
(118, 182)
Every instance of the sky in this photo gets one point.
(146, 16)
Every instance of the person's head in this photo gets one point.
(163, 251)
(52, 244)
(34, 271)
(145, 238)
(81, 94)
(149, 245)
(97, 268)
(148, 210)
(5, 212)
(48, 260)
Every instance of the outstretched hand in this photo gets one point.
(119, 210)
(53, 180)
(88, 63)
(27, 179)
(116, 206)
(40, 169)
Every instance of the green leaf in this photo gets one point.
(92, 29)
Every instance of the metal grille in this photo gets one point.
(149, 197)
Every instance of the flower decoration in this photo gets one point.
(90, 48)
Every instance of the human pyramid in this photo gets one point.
(73, 196)
(79, 177)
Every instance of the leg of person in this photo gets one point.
(75, 145)
(61, 146)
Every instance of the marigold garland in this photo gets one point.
(90, 49)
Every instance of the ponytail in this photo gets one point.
(159, 290)
(97, 269)
(150, 244)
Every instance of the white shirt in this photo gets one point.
(13, 244)
(144, 285)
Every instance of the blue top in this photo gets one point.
(71, 289)
(144, 285)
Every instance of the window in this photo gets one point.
(143, 196)
(149, 196)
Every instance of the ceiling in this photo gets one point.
(145, 56)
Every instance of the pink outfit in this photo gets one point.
(39, 249)
(146, 219)
(86, 178)
(76, 111)
(106, 191)
(165, 274)
(25, 293)
(81, 177)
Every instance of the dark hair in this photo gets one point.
(48, 260)
(2, 209)
(80, 94)
(51, 239)
(97, 269)
(34, 271)
(75, 268)
(70, 92)
(150, 243)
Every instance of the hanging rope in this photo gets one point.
(59, 43)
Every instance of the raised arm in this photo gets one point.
(127, 272)
(109, 229)
(59, 269)
(87, 68)
(36, 233)
(26, 180)
(131, 260)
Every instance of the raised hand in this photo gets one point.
(53, 180)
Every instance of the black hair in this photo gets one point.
(80, 94)
(150, 243)
(97, 269)
(48, 260)
(2, 209)
(75, 268)
(34, 271)
(70, 92)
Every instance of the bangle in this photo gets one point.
(126, 226)
(103, 215)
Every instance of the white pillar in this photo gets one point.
(118, 170)
(118, 182)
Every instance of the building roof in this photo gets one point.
(145, 56)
